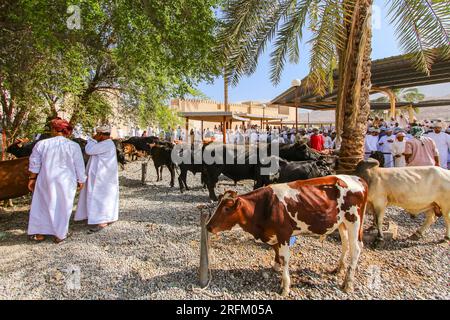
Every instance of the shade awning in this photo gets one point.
(301, 123)
(262, 117)
(390, 73)
(212, 116)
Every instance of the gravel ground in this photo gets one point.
(153, 253)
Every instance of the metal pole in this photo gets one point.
(144, 172)
(296, 111)
(204, 245)
(224, 131)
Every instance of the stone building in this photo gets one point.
(249, 107)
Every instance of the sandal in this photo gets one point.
(37, 238)
(58, 240)
(96, 229)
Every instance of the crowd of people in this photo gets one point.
(318, 138)
(425, 143)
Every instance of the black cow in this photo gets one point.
(378, 155)
(142, 143)
(190, 167)
(243, 166)
(297, 152)
(301, 170)
(248, 168)
(162, 156)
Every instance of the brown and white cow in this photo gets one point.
(316, 206)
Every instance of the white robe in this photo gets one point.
(99, 199)
(370, 144)
(386, 148)
(442, 141)
(59, 164)
(398, 148)
(328, 143)
(253, 138)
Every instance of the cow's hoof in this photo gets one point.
(336, 271)
(415, 236)
(285, 292)
(347, 287)
(276, 266)
(378, 243)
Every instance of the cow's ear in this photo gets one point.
(237, 203)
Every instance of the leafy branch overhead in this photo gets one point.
(140, 52)
(249, 26)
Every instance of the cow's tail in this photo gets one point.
(363, 209)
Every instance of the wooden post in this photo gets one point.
(224, 131)
(144, 172)
(3, 144)
(204, 245)
(187, 128)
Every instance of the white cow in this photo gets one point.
(416, 189)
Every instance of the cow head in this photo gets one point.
(364, 167)
(227, 214)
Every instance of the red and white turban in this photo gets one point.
(61, 125)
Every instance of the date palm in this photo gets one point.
(341, 39)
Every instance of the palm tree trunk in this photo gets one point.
(354, 86)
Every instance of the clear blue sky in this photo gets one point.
(259, 88)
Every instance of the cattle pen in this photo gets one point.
(152, 252)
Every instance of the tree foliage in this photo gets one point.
(141, 52)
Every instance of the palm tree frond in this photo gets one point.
(287, 41)
(421, 26)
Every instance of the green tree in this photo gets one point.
(341, 38)
(143, 52)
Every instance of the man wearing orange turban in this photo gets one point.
(56, 167)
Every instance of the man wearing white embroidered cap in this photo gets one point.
(442, 141)
(99, 200)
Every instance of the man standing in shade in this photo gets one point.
(99, 200)
(442, 141)
(398, 149)
(420, 150)
(385, 146)
(56, 166)
(316, 141)
(371, 142)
